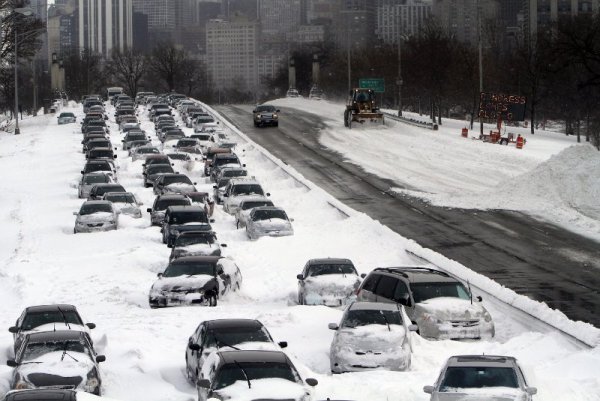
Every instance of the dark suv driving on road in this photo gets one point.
(265, 114)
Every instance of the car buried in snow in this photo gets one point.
(239, 189)
(173, 183)
(253, 374)
(481, 377)
(160, 205)
(124, 203)
(225, 334)
(179, 219)
(98, 190)
(439, 304)
(195, 280)
(89, 180)
(40, 318)
(142, 152)
(371, 335)
(246, 206)
(327, 281)
(96, 215)
(57, 359)
(268, 221)
(195, 243)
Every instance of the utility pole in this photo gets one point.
(480, 46)
(400, 76)
(17, 130)
(349, 68)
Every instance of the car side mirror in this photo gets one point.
(311, 382)
(100, 358)
(13, 329)
(203, 383)
(268, 194)
(223, 245)
(300, 277)
(149, 210)
(404, 300)
(172, 164)
(211, 220)
(479, 299)
(291, 220)
(82, 172)
(282, 344)
(428, 389)
(363, 275)
(91, 325)
(159, 275)
(194, 347)
(279, 111)
(413, 327)
(531, 390)
(114, 156)
(195, 183)
(333, 326)
(12, 363)
(75, 213)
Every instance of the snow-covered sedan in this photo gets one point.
(66, 118)
(481, 377)
(125, 203)
(225, 334)
(173, 183)
(195, 280)
(237, 189)
(57, 359)
(246, 206)
(97, 215)
(48, 318)
(142, 152)
(268, 221)
(89, 180)
(328, 281)
(252, 375)
(371, 335)
(195, 243)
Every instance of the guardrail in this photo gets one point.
(412, 121)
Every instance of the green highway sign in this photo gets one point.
(377, 84)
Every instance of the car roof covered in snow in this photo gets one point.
(58, 335)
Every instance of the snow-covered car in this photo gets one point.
(103, 166)
(88, 180)
(223, 160)
(237, 189)
(133, 136)
(48, 318)
(202, 199)
(327, 281)
(184, 160)
(441, 306)
(200, 120)
(160, 205)
(204, 139)
(124, 203)
(66, 118)
(173, 183)
(142, 152)
(96, 215)
(183, 218)
(252, 375)
(225, 334)
(481, 377)
(195, 243)
(57, 359)
(154, 171)
(268, 221)
(98, 190)
(292, 92)
(189, 145)
(371, 335)
(245, 207)
(195, 280)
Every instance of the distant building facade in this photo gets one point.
(459, 17)
(104, 25)
(279, 17)
(401, 17)
(354, 23)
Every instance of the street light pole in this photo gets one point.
(400, 76)
(17, 130)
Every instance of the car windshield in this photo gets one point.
(101, 190)
(33, 320)
(101, 153)
(341, 268)
(197, 197)
(95, 179)
(188, 217)
(478, 377)
(189, 269)
(67, 115)
(424, 291)
(159, 168)
(230, 373)
(121, 198)
(202, 137)
(35, 350)
(178, 156)
(247, 189)
(176, 179)
(87, 208)
(97, 167)
(163, 204)
(187, 142)
(204, 119)
(98, 144)
(268, 109)
(236, 335)
(364, 317)
(162, 160)
(269, 214)
(148, 151)
(226, 160)
(235, 173)
(135, 137)
(253, 204)
(186, 240)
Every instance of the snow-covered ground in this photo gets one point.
(551, 178)
(108, 275)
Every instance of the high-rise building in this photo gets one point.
(62, 29)
(231, 53)
(279, 17)
(401, 17)
(543, 12)
(168, 20)
(459, 17)
(321, 11)
(231, 9)
(105, 25)
(355, 23)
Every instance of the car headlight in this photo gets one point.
(487, 317)
(23, 385)
(274, 115)
(431, 319)
(112, 222)
(80, 224)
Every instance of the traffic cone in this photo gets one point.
(520, 142)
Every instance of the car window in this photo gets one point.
(95, 208)
(35, 350)
(268, 215)
(478, 377)
(96, 179)
(424, 291)
(401, 291)
(247, 189)
(330, 268)
(163, 204)
(253, 204)
(364, 317)
(189, 269)
(230, 373)
(371, 282)
(386, 286)
(188, 217)
(235, 336)
(33, 320)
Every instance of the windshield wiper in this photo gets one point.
(244, 372)
(66, 353)
(386, 320)
(64, 318)
(219, 341)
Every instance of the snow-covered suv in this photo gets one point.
(439, 304)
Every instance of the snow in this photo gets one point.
(108, 275)
(551, 178)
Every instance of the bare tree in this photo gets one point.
(83, 73)
(167, 63)
(128, 68)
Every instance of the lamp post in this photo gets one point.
(25, 12)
